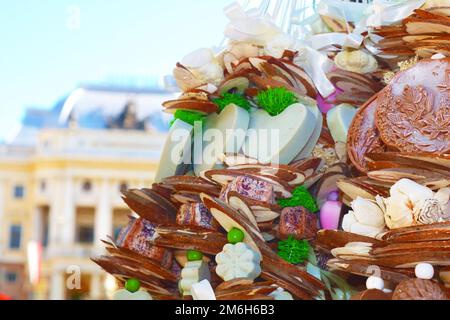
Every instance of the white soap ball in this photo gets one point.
(424, 271)
(375, 283)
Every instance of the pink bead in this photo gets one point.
(324, 106)
(330, 215)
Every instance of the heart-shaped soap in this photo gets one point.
(176, 154)
(339, 120)
(223, 133)
(279, 139)
(312, 142)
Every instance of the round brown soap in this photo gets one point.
(363, 135)
(418, 289)
(413, 112)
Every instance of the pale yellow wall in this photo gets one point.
(136, 174)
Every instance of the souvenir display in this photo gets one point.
(304, 162)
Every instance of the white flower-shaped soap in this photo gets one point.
(356, 61)
(366, 219)
(413, 204)
(238, 261)
(204, 66)
(192, 273)
(249, 27)
(124, 294)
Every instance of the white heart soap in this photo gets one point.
(222, 134)
(339, 120)
(312, 142)
(176, 154)
(279, 139)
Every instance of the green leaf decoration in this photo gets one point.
(190, 117)
(294, 251)
(228, 98)
(300, 198)
(276, 100)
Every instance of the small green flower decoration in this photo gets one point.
(294, 251)
(276, 100)
(300, 198)
(190, 117)
(229, 98)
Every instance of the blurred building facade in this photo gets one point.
(61, 174)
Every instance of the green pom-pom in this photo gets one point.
(235, 236)
(190, 117)
(294, 251)
(276, 100)
(300, 198)
(229, 98)
(133, 285)
(193, 255)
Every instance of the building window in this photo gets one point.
(45, 236)
(15, 237)
(11, 277)
(87, 186)
(86, 234)
(43, 186)
(19, 192)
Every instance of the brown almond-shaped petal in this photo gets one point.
(190, 238)
(367, 270)
(302, 77)
(159, 271)
(253, 291)
(329, 239)
(127, 269)
(226, 285)
(146, 207)
(203, 107)
(234, 84)
(230, 218)
(432, 232)
(434, 162)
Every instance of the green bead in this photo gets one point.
(133, 285)
(235, 236)
(193, 255)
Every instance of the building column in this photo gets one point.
(96, 287)
(57, 286)
(36, 232)
(103, 214)
(62, 213)
(54, 238)
(68, 213)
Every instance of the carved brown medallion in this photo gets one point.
(363, 136)
(413, 113)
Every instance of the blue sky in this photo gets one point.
(45, 50)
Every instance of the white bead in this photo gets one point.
(424, 271)
(375, 283)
